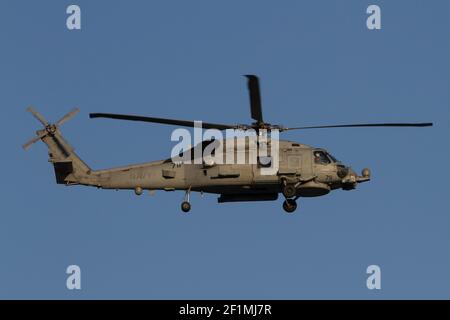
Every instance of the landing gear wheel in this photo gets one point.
(289, 205)
(289, 191)
(185, 206)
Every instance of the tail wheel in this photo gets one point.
(289, 205)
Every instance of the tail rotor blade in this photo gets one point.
(34, 140)
(38, 116)
(68, 116)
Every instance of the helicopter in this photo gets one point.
(301, 170)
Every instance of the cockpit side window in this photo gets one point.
(320, 157)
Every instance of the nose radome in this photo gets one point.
(365, 175)
(365, 172)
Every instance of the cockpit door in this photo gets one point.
(306, 170)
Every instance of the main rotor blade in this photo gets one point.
(68, 116)
(255, 98)
(38, 116)
(34, 140)
(184, 123)
(424, 124)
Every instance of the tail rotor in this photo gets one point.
(49, 129)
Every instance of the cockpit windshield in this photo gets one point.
(323, 157)
(333, 159)
(320, 157)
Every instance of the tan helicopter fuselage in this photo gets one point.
(298, 165)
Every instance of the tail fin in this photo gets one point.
(69, 168)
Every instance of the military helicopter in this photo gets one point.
(302, 170)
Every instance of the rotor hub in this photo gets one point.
(50, 128)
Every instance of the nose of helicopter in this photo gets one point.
(350, 181)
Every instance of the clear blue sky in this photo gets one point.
(318, 64)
